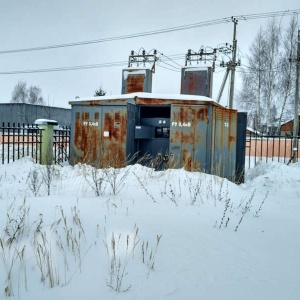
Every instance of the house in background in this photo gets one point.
(24, 113)
(251, 131)
(286, 129)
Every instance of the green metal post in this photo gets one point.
(46, 140)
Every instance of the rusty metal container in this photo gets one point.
(196, 81)
(136, 80)
(178, 131)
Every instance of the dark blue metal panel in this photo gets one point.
(241, 147)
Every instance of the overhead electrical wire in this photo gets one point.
(122, 37)
(159, 31)
(268, 15)
(171, 58)
(172, 66)
(94, 66)
(173, 70)
(85, 67)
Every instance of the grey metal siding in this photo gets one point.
(24, 113)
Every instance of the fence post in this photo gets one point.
(46, 140)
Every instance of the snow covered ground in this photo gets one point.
(148, 235)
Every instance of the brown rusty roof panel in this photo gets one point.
(145, 99)
(99, 102)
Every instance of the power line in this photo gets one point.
(282, 13)
(85, 67)
(172, 66)
(169, 58)
(158, 65)
(122, 37)
(159, 31)
(72, 68)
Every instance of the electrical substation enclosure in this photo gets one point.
(188, 130)
(185, 131)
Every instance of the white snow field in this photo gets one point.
(134, 233)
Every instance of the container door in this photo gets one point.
(113, 147)
(233, 120)
(188, 137)
(225, 143)
(86, 135)
(220, 160)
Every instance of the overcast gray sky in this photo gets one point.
(35, 23)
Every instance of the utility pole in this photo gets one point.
(233, 65)
(230, 68)
(296, 111)
(223, 85)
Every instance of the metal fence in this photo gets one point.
(20, 140)
(61, 144)
(264, 148)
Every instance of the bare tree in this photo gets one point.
(31, 95)
(19, 93)
(271, 76)
(287, 74)
(35, 95)
(268, 79)
(250, 97)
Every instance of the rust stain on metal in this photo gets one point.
(115, 156)
(196, 82)
(232, 139)
(116, 126)
(135, 83)
(232, 122)
(87, 140)
(105, 101)
(202, 114)
(93, 102)
(115, 122)
(157, 101)
(187, 160)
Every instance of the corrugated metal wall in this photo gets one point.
(24, 113)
